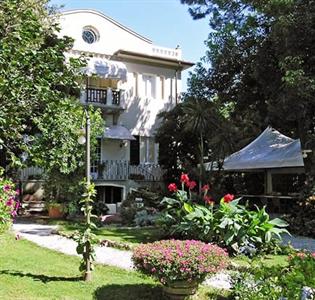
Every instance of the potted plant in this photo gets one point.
(179, 265)
(55, 209)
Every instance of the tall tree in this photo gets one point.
(40, 113)
(262, 63)
(192, 130)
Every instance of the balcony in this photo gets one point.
(122, 170)
(103, 97)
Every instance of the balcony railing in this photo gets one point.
(103, 96)
(96, 95)
(122, 170)
(110, 170)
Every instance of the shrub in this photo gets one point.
(130, 207)
(301, 219)
(228, 223)
(8, 202)
(274, 283)
(174, 260)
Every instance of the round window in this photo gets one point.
(89, 36)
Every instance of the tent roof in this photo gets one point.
(269, 150)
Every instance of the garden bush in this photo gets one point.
(9, 203)
(140, 213)
(301, 219)
(175, 260)
(273, 283)
(226, 223)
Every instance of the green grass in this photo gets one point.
(129, 235)
(134, 236)
(29, 272)
(267, 260)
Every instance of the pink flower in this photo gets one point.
(228, 198)
(205, 188)
(191, 184)
(300, 254)
(9, 202)
(172, 188)
(7, 188)
(208, 200)
(184, 178)
(17, 191)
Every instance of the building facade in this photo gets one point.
(131, 80)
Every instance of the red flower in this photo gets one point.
(228, 198)
(184, 178)
(172, 187)
(208, 200)
(205, 188)
(191, 184)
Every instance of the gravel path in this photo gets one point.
(300, 242)
(44, 235)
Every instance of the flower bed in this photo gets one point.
(174, 260)
(295, 281)
(224, 222)
(8, 202)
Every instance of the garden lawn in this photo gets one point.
(29, 272)
(137, 235)
(129, 235)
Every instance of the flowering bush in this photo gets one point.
(8, 202)
(228, 223)
(295, 281)
(174, 260)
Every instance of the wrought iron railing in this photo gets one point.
(122, 170)
(110, 170)
(96, 95)
(116, 97)
(103, 96)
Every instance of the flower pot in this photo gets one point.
(179, 290)
(55, 212)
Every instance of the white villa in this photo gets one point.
(133, 81)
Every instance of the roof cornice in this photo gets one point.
(92, 11)
(157, 60)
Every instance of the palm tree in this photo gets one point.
(200, 117)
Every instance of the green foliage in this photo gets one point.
(130, 207)
(262, 282)
(301, 219)
(258, 65)
(40, 113)
(86, 238)
(188, 133)
(228, 224)
(9, 203)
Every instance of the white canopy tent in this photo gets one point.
(271, 152)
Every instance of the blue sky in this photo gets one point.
(166, 22)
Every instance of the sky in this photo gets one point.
(166, 22)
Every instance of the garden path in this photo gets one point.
(45, 236)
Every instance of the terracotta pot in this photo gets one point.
(179, 290)
(55, 212)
